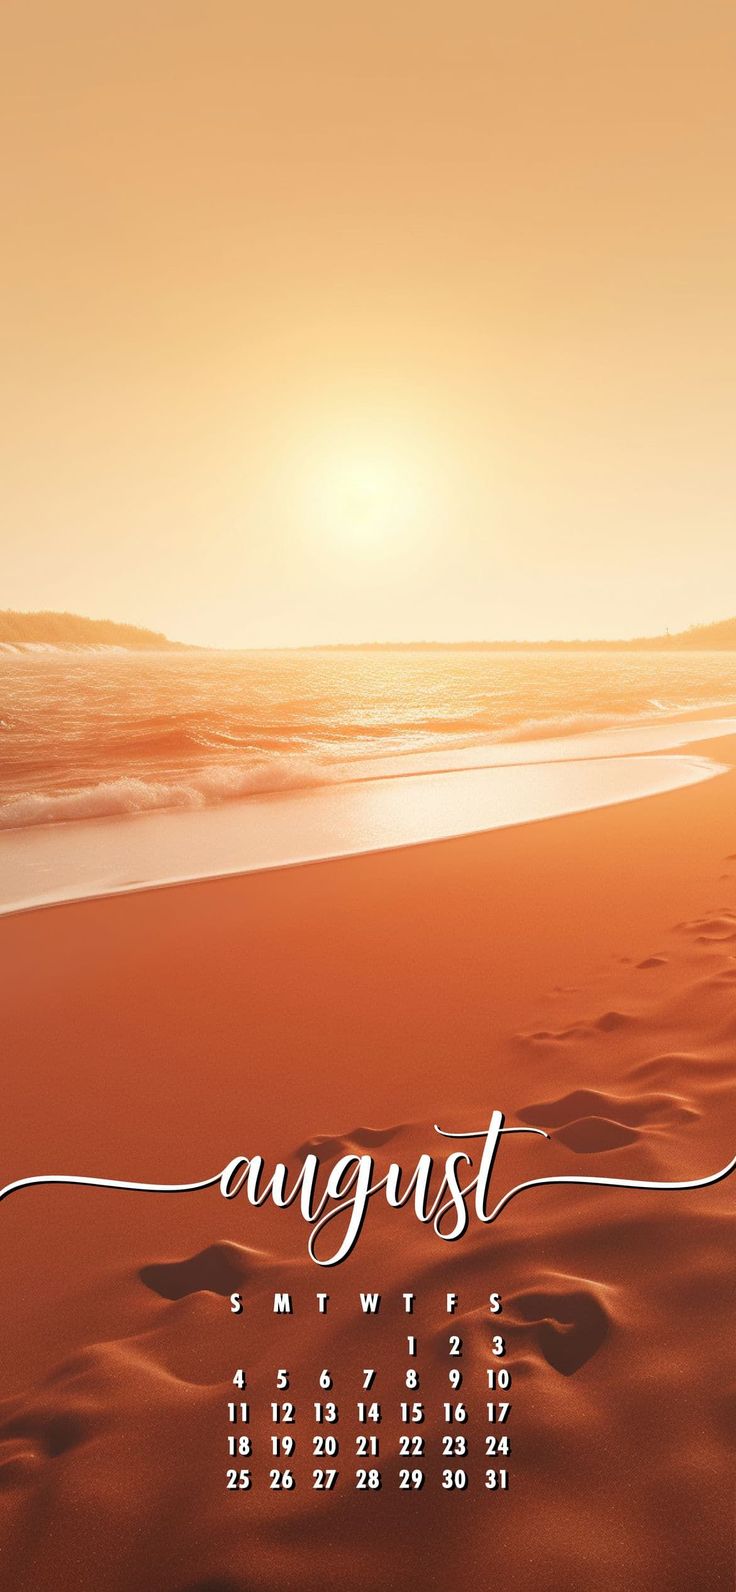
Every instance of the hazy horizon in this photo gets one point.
(368, 643)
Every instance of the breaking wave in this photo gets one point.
(128, 795)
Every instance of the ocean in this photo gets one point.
(88, 734)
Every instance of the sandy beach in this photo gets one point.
(577, 974)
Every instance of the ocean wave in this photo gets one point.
(126, 796)
(581, 722)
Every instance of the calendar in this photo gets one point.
(404, 1431)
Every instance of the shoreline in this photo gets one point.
(502, 787)
(694, 775)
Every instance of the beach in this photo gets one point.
(577, 974)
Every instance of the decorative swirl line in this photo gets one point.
(537, 1182)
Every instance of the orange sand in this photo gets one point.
(578, 974)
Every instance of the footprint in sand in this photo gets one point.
(719, 928)
(222, 1268)
(608, 1023)
(652, 961)
(562, 1319)
(589, 1121)
(567, 1324)
(329, 1146)
(62, 1416)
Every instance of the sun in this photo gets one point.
(364, 490)
(367, 502)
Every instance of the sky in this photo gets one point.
(327, 321)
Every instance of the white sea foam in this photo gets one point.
(128, 795)
(39, 648)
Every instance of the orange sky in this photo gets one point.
(332, 320)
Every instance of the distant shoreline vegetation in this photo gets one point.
(717, 637)
(52, 629)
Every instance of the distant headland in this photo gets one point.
(50, 629)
